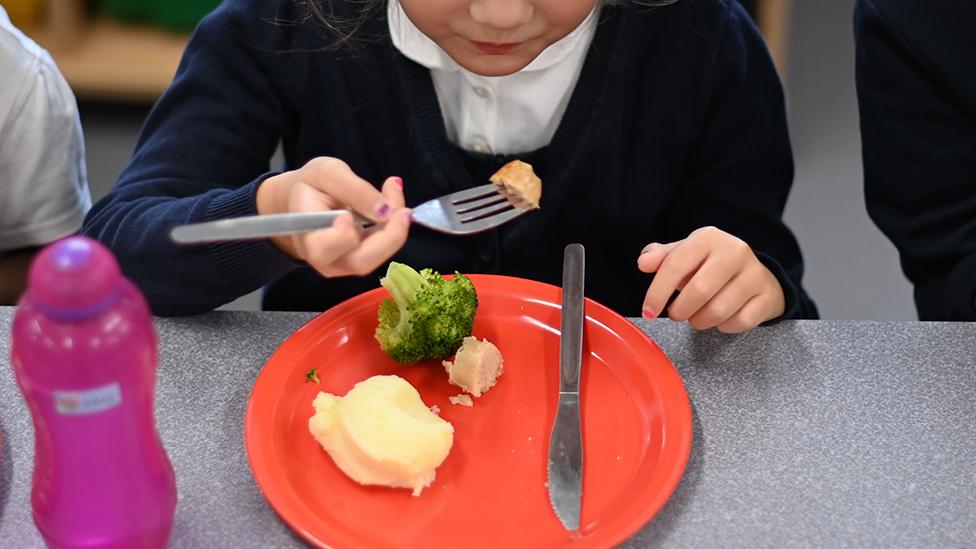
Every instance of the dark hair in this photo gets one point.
(340, 28)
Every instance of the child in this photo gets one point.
(43, 188)
(659, 134)
(916, 85)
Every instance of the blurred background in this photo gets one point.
(119, 55)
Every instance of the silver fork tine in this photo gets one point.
(469, 216)
(481, 204)
(468, 211)
(486, 223)
(472, 193)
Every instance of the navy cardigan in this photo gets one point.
(677, 122)
(916, 85)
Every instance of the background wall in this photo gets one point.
(852, 269)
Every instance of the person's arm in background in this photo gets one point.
(916, 85)
(43, 186)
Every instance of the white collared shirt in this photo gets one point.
(509, 114)
(43, 188)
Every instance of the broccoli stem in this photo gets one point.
(403, 283)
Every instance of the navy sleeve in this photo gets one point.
(204, 150)
(739, 174)
(919, 145)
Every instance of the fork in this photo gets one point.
(460, 213)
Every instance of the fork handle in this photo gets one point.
(257, 226)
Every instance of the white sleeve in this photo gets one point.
(43, 185)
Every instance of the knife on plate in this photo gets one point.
(565, 467)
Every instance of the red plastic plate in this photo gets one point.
(490, 491)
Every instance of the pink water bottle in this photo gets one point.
(84, 355)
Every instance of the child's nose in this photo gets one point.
(501, 14)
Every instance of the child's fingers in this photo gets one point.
(300, 198)
(708, 281)
(336, 179)
(393, 192)
(679, 265)
(723, 304)
(752, 314)
(308, 198)
(384, 241)
(653, 255)
(750, 298)
(322, 248)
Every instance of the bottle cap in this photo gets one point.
(74, 278)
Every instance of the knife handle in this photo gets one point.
(571, 325)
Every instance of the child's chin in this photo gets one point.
(493, 65)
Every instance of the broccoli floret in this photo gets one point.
(428, 316)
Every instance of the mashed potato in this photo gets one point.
(381, 433)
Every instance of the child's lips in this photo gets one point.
(494, 48)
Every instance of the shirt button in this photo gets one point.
(479, 144)
(482, 92)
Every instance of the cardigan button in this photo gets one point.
(479, 144)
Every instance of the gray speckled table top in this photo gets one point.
(808, 433)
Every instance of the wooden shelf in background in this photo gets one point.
(111, 61)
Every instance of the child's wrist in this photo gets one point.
(268, 196)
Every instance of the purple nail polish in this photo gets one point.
(383, 210)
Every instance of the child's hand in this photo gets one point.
(721, 282)
(345, 248)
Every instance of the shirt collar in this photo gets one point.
(416, 46)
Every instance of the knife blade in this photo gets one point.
(254, 226)
(565, 466)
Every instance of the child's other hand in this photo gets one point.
(721, 282)
(345, 248)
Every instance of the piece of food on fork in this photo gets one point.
(519, 183)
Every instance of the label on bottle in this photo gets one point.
(99, 399)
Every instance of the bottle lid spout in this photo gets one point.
(74, 278)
